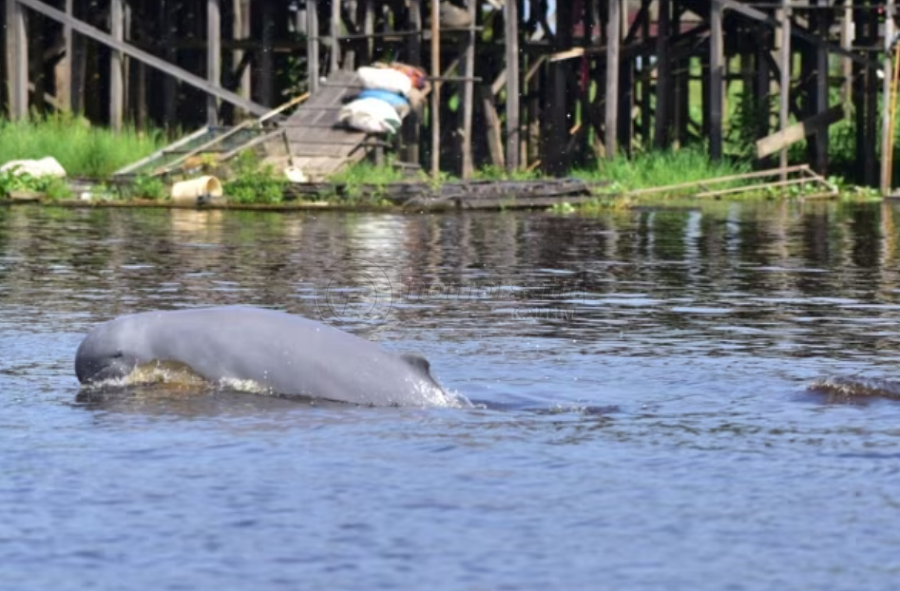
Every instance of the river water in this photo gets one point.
(643, 418)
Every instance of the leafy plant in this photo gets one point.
(253, 182)
(147, 187)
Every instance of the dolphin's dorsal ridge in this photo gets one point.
(417, 361)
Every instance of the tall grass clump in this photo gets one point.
(83, 150)
(661, 168)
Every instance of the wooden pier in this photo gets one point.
(515, 85)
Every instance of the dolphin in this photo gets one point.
(282, 353)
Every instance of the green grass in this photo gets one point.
(83, 150)
(660, 168)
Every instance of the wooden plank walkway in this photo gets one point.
(319, 145)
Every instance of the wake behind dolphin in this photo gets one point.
(281, 353)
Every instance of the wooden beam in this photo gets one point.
(511, 38)
(312, 44)
(822, 21)
(886, 120)
(64, 69)
(242, 30)
(17, 59)
(613, 35)
(138, 54)
(814, 125)
(716, 80)
(795, 31)
(213, 56)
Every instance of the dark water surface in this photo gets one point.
(646, 422)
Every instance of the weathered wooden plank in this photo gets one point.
(139, 54)
(789, 135)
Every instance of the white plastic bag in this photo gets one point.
(385, 79)
(370, 115)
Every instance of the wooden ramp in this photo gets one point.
(318, 144)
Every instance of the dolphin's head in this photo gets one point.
(110, 351)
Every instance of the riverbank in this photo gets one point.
(91, 155)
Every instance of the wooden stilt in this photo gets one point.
(335, 53)
(242, 31)
(613, 40)
(213, 56)
(785, 91)
(436, 89)
(266, 62)
(312, 44)
(411, 132)
(887, 130)
(664, 75)
(468, 102)
(511, 16)
(821, 21)
(716, 80)
(116, 66)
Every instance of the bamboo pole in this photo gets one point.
(436, 89)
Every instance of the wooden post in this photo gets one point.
(213, 56)
(17, 59)
(870, 155)
(822, 23)
(266, 64)
(785, 91)
(848, 38)
(716, 89)
(613, 40)
(116, 66)
(664, 75)
(763, 84)
(335, 27)
(312, 44)
(411, 132)
(64, 68)
(170, 83)
(887, 123)
(369, 29)
(468, 103)
(626, 95)
(243, 32)
(436, 89)
(511, 33)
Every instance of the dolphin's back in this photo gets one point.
(290, 355)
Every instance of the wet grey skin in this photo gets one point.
(284, 353)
